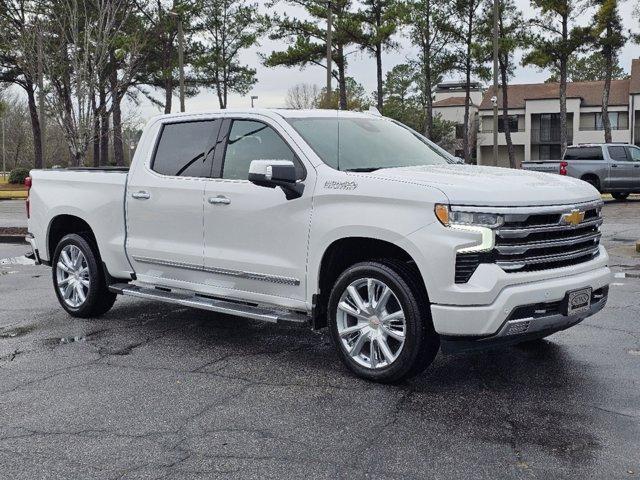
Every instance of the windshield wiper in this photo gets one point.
(369, 169)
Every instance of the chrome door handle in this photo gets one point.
(219, 200)
(141, 195)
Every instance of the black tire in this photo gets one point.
(593, 181)
(99, 299)
(620, 196)
(421, 342)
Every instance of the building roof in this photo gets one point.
(450, 102)
(634, 85)
(589, 92)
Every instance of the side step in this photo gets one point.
(213, 304)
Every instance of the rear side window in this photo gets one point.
(183, 149)
(618, 153)
(583, 153)
(250, 140)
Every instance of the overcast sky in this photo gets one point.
(273, 82)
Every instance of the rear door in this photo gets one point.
(165, 203)
(621, 168)
(255, 239)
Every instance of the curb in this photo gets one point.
(12, 239)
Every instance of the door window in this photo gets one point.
(618, 153)
(184, 149)
(250, 140)
(635, 153)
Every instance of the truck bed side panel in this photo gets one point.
(94, 196)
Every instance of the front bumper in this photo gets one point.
(489, 320)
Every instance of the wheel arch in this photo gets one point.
(64, 224)
(343, 252)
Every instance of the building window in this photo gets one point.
(459, 131)
(549, 152)
(513, 123)
(614, 120)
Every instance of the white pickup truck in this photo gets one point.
(343, 220)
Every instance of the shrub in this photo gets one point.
(18, 175)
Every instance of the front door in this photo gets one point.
(621, 168)
(255, 239)
(164, 204)
(634, 153)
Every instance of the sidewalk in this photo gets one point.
(13, 221)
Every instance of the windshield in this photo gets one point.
(365, 144)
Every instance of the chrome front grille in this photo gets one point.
(540, 240)
(537, 238)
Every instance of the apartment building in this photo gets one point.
(448, 102)
(534, 118)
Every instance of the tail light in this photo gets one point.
(563, 168)
(27, 183)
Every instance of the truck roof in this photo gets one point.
(596, 144)
(281, 112)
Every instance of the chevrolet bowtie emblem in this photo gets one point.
(573, 218)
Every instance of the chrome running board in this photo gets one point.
(266, 314)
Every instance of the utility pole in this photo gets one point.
(180, 56)
(43, 128)
(4, 164)
(253, 97)
(181, 61)
(329, 40)
(496, 13)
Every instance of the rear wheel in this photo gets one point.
(591, 180)
(620, 196)
(78, 279)
(380, 323)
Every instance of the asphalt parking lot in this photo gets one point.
(153, 391)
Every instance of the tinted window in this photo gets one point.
(583, 153)
(248, 141)
(617, 153)
(635, 153)
(181, 149)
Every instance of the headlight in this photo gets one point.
(450, 217)
(475, 222)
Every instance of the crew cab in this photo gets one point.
(611, 167)
(343, 220)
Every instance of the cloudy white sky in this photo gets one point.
(273, 82)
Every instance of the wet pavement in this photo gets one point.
(154, 391)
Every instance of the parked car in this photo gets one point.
(611, 167)
(328, 219)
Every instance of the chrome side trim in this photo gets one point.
(220, 271)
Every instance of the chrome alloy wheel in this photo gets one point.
(72, 276)
(371, 323)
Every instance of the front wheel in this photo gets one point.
(380, 322)
(620, 196)
(78, 279)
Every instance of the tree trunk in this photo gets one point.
(104, 127)
(379, 75)
(96, 136)
(505, 113)
(428, 121)
(342, 80)
(168, 94)
(118, 147)
(563, 91)
(607, 52)
(35, 126)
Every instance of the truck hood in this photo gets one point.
(494, 186)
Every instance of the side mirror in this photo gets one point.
(276, 173)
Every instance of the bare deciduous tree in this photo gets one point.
(302, 95)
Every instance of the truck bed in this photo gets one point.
(547, 166)
(93, 195)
